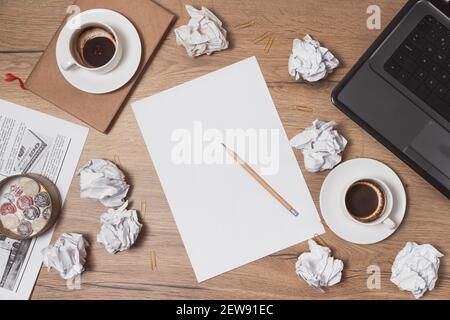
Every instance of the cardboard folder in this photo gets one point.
(98, 110)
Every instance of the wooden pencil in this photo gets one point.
(261, 181)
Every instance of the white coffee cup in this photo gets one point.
(73, 62)
(388, 205)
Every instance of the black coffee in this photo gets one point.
(362, 200)
(98, 51)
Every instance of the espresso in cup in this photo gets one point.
(94, 46)
(365, 201)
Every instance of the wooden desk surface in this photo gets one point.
(25, 29)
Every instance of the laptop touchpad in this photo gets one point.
(433, 143)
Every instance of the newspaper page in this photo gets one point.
(33, 142)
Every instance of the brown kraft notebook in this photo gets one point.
(98, 110)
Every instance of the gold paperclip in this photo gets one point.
(151, 260)
(244, 25)
(262, 37)
(153, 263)
(143, 208)
(320, 240)
(117, 160)
(304, 108)
(269, 44)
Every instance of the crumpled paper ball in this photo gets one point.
(318, 268)
(102, 180)
(120, 229)
(309, 61)
(321, 146)
(203, 34)
(67, 255)
(416, 268)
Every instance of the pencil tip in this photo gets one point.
(295, 212)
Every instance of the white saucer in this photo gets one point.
(89, 81)
(331, 200)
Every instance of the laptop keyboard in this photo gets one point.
(422, 64)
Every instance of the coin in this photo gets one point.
(10, 197)
(10, 221)
(47, 212)
(24, 202)
(24, 229)
(42, 199)
(30, 187)
(31, 213)
(16, 190)
(7, 208)
(39, 224)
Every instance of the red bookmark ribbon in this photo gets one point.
(10, 77)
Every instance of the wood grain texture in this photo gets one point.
(27, 26)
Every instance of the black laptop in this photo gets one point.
(399, 91)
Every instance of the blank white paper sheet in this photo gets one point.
(225, 218)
